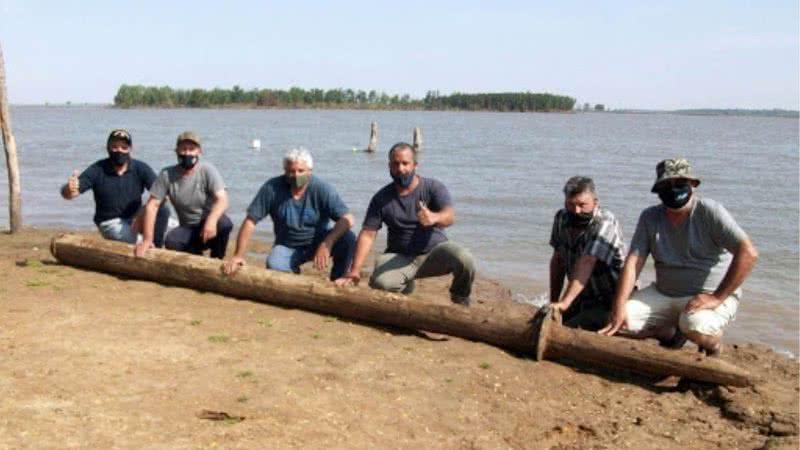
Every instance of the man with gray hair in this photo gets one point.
(701, 256)
(301, 207)
(588, 249)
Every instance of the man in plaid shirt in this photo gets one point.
(588, 250)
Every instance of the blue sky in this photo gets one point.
(654, 55)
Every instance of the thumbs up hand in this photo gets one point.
(426, 217)
(74, 184)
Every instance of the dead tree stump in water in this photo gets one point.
(417, 139)
(373, 137)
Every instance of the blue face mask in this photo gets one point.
(187, 161)
(404, 181)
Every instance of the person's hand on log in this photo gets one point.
(349, 279)
(560, 306)
(702, 301)
(74, 184)
(426, 217)
(209, 231)
(140, 250)
(230, 266)
(322, 256)
(616, 320)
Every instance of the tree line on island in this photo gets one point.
(133, 96)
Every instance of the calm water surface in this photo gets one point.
(505, 172)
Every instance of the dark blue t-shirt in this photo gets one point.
(116, 195)
(297, 222)
(406, 235)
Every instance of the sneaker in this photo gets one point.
(676, 342)
(464, 301)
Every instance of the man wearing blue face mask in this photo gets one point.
(416, 210)
(117, 183)
(588, 250)
(198, 194)
(301, 207)
(702, 257)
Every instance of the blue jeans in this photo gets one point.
(288, 259)
(119, 229)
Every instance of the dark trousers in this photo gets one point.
(187, 238)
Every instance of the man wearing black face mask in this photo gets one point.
(117, 183)
(197, 193)
(588, 249)
(416, 210)
(701, 256)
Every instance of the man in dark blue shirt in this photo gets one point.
(301, 207)
(117, 183)
(416, 210)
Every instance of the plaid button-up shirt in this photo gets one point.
(601, 239)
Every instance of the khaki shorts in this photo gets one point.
(648, 309)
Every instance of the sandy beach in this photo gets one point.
(92, 360)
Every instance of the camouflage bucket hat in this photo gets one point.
(119, 134)
(669, 169)
(188, 136)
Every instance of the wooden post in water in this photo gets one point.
(417, 139)
(516, 330)
(14, 191)
(373, 137)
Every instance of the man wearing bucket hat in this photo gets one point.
(117, 183)
(701, 256)
(197, 193)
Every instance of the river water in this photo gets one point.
(505, 172)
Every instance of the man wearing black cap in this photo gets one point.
(701, 256)
(198, 194)
(117, 183)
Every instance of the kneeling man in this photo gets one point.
(416, 210)
(588, 249)
(301, 207)
(701, 256)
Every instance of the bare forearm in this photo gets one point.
(243, 238)
(342, 226)
(580, 276)
(446, 217)
(218, 208)
(627, 280)
(363, 246)
(557, 274)
(149, 220)
(744, 259)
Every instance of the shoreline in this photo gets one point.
(124, 354)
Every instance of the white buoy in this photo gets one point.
(255, 143)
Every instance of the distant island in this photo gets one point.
(137, 96)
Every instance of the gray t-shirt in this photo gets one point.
(694, 256)
(192, 195)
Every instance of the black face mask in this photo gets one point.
(579, 220)
(187, 161)
(403, 181)
(118, 158)
(675, 197)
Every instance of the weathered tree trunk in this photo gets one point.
(515, 330)
(373, 137)
(14, 191)
(417, 142)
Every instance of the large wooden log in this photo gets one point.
(516, 330)
(12, 164)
